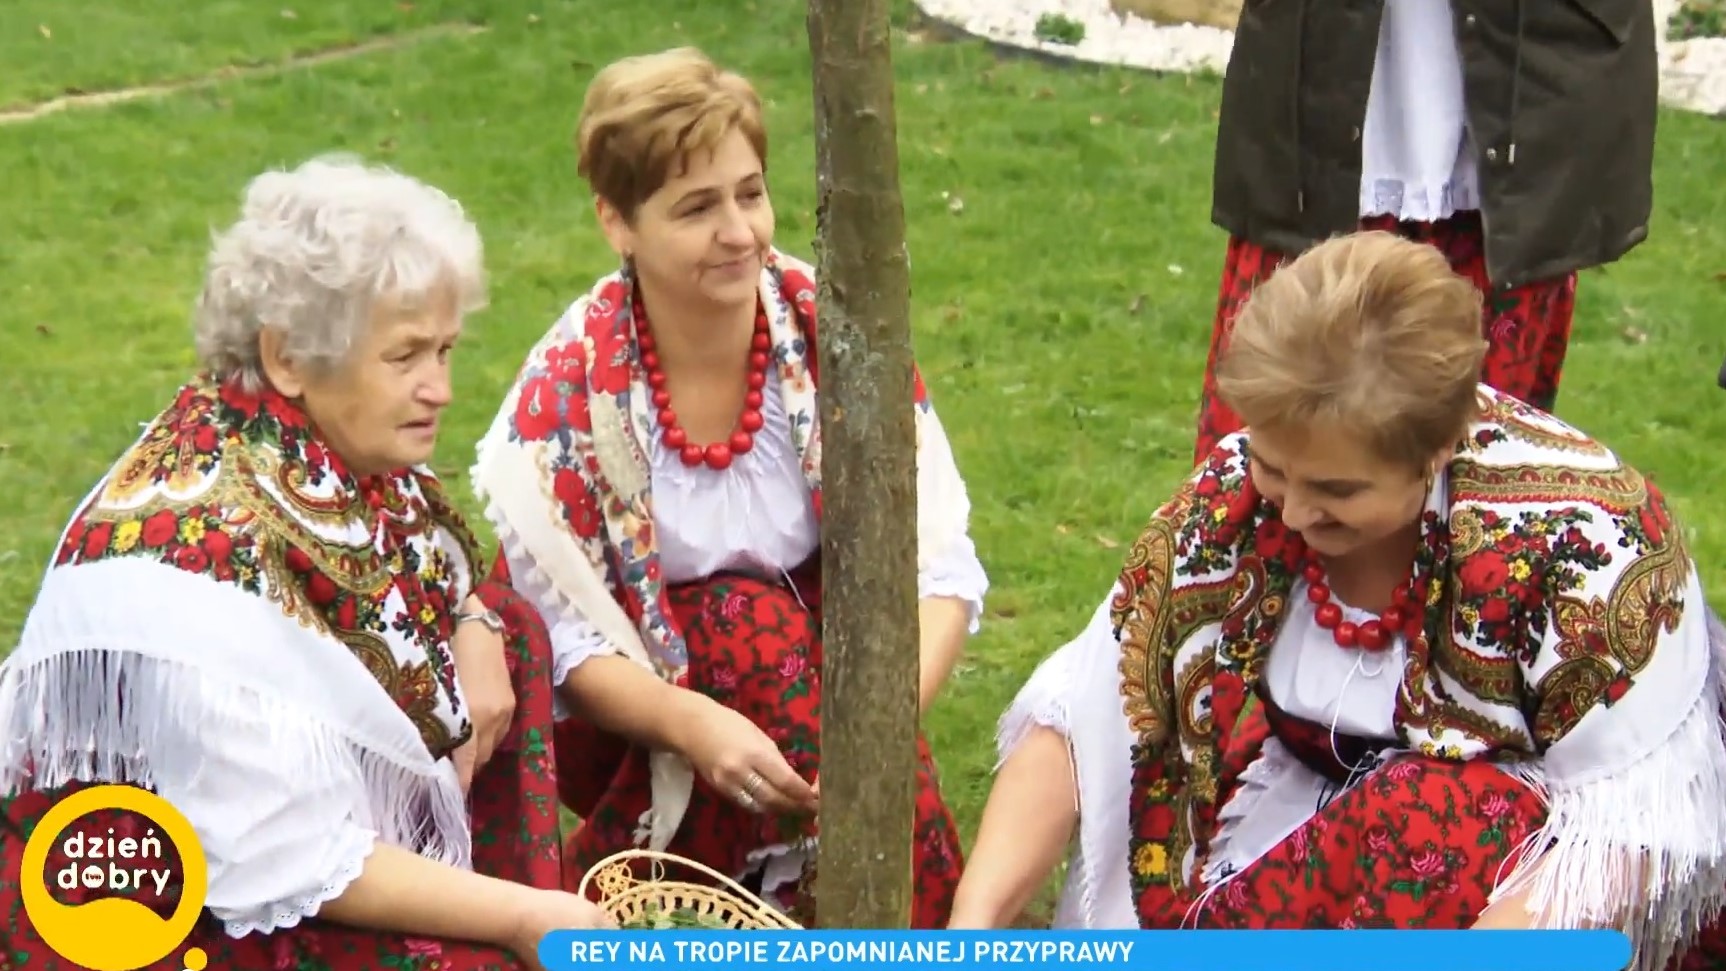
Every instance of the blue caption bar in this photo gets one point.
(1357, 950)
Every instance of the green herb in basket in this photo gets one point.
(656, 919)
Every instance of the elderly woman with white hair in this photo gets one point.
(269, 614)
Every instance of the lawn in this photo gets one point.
(1065, 270)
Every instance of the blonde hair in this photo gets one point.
(644, 116)
(1368, 333)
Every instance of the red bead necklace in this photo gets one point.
(1402, 616)
(717, 455)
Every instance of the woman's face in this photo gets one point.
(1333, 490)
(702, 238)
(380, 409)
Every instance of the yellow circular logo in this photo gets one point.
(113, 933)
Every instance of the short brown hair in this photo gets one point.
(644, 116)
(1370, 333)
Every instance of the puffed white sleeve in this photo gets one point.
(957, 572)
(284, 828)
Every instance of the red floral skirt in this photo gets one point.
(1417, 844)
(1527, 327)
(514, 809)
(755, 647)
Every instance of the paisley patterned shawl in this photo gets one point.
(565, 476)
(229, 555)
(1565, 633)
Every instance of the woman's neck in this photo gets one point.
(701, 336)
(1366, 577)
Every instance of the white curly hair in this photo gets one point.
(312, 252)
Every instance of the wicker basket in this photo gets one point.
(661, 903)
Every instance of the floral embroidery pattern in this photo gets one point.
(585, 375)
(233, 486)
(1550, 572)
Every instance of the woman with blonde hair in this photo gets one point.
(654, 476)
(269, 614)
(1405, 652)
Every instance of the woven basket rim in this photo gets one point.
(728, 895)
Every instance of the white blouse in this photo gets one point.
(1416, 161)
(756, 516)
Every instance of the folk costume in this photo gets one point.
(631, 541)
(1517, 138)
(1540, 710)
(238, 623)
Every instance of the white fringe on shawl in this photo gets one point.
(120, 655)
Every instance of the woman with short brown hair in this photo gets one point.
(654, 476)
(1405, 652)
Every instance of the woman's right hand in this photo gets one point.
(552, 910)
(738, 759)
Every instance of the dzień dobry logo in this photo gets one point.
(113, 933)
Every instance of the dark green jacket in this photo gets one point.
(1561, 109)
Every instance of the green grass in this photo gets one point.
(1698, 18)
(1061, 316)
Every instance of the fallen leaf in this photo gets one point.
(43, 330)
(1634, 335)
(1176, 269)
(44, 31)
(1062, 529)
(1137, 305)
(290, 15)
(1106, 543)
(1096, 119)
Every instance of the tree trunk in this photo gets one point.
(868, 470)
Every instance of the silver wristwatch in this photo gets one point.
(489, 618)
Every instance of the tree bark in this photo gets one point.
(868, 470)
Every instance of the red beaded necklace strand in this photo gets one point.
(1402, 616)
(717, 455)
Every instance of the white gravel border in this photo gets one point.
(1692, 72)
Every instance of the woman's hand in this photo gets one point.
(553, 910)
(483, 672)
(740, 761)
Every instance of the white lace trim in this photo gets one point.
(288, 914)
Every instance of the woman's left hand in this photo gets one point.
(481, 668)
